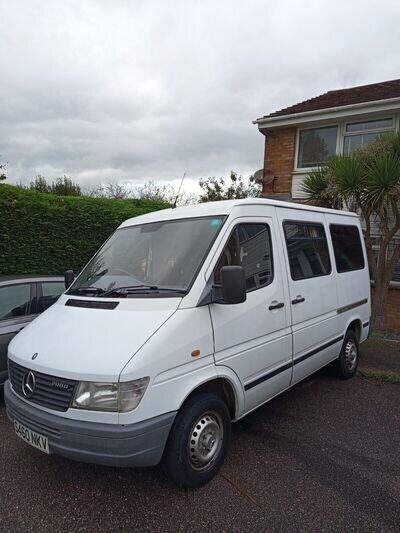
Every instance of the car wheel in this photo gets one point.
(346, 365)
(199, 441)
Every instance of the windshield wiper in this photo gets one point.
(130, 289)
(87, 290)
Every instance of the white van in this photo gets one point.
(186, 320)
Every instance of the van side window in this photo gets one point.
(249, 246)
(347, 247)
(307, 249)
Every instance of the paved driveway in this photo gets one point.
(323, 456)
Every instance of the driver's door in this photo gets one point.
(254, 338)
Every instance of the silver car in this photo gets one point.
(22, 298)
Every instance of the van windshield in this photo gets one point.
(159, 258)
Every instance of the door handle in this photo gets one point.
(276, 305)
(298, 300)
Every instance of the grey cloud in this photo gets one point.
(149, 89)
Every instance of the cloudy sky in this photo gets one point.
(132, 90)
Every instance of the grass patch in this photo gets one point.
(385, 335)
(387, 377)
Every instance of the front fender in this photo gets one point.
(169, 389)
(227, 374)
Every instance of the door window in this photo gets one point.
(307, 249)
(50, 294)
(14, 301)
(249, 246)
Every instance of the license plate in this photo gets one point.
(31, 437)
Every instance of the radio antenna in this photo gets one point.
(179, 190)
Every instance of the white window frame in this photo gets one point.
(365, 132)
(341, 125)
(316, 126)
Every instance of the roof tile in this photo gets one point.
(342, 97)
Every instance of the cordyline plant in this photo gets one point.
(367, 182)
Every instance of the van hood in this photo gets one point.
(90, 344)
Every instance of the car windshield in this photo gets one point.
(154, 258)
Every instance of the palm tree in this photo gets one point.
(367, 182)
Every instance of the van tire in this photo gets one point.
(199, 440)
(346, 364)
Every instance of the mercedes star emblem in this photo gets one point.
(28, 384)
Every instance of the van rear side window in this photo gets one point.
(347, 247)
(307, 249)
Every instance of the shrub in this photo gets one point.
(47, 234)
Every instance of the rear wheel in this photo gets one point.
(199, 441)
(346, 365)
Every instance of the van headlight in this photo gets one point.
(117, 397)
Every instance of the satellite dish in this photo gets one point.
(259, 174)
(268, 178)
(264, 176)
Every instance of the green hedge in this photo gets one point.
(46, 234)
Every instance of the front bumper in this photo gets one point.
(3, 377)
(135, 445)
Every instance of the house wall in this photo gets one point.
(279, 160)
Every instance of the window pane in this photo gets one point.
(370, 125)
(14, 301)
(54, 288)
(307, 249)
(166, 254)
(51, 292)
(316, 145)
(249, 246)
(255, 254)
(347, 248)
(352, 142)
(230, 256)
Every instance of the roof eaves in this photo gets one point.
(323, 111)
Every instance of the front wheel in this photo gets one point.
(199, 441)
(346, 365)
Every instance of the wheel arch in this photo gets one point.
(355, 325)
(224, 387)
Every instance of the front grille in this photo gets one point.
(50, 391)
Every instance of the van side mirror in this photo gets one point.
(69, 278)
(233, 285)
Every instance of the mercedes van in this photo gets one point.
(185, 321)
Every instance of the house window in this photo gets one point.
(358, 134)
(316, 145)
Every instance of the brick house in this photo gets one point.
(301, 137)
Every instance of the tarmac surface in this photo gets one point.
(323, 456)
(382, 355)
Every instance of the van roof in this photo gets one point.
(223, 207)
